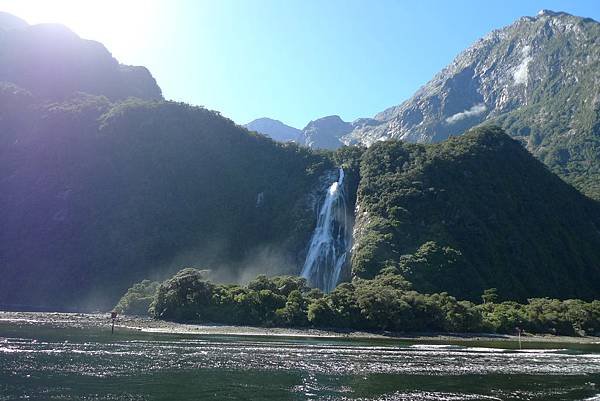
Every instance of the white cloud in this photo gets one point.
(473, 111)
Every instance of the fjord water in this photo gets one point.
(60, 358)
(329, 244)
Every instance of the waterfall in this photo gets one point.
(330, 242)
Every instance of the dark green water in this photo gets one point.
(45, 359)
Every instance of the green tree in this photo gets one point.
(183, 297)
(381, 306)
(343, 303)
(295, 311)
(320, 313)
(490, 295)
(138, 298)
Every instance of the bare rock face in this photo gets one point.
(508, 69)
(538, 78)
(325, 133)
(274, 129)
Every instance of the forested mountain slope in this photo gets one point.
(97, 195)
(475, 212)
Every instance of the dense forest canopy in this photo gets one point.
(102, 194)
(386, 302)
(474, 212)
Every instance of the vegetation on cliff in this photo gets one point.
(475, 212)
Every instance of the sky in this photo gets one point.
(292, 60)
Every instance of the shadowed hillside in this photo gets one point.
(96, 195)
(52, 62)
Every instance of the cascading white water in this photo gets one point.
(330, 241)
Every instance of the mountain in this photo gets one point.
(95, 196)
(538, 78)
(103, 183)
(52, 62)
(329, 132)
(324, 133)
(476, 211)
(274, 129)
(9, 21)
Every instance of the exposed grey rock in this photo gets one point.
(325, 133)
(275, 129)
(508, 69)
(538, 78)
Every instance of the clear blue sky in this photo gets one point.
(293, 60)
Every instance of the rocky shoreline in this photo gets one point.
(148, 325)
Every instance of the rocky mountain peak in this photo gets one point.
(550, 13)
(330, 121)
(325, 133)
(537, 77)
(274, 129)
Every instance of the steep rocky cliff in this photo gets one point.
(274, 129)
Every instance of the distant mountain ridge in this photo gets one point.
(274, 129)
(499, 73)
(322, 133)
(538, 78)
(325, 132)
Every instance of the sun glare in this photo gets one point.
(121, 25)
